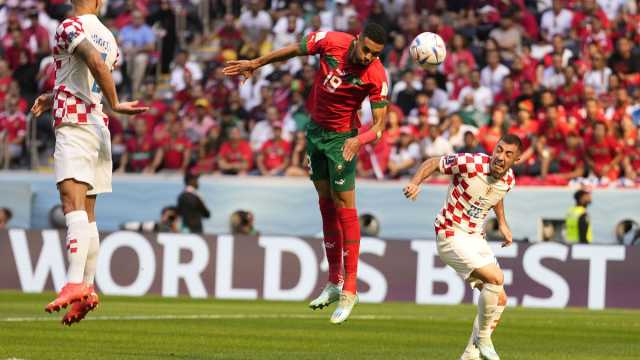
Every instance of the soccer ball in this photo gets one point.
(428, 49)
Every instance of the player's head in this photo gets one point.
(505, 154)
(91, 6)
(370, 44)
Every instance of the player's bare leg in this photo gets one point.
(332, 244)
(471, 352)
(488, 308)
(73, 197)
(80, 309)
(345, 202)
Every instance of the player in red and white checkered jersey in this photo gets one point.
(479, 183)
(85, 53)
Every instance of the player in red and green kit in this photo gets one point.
(349, 72)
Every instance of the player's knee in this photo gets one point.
(496, 278)
(502, 298)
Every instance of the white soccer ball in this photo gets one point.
(428, 49)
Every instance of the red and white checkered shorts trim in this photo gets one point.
(68, 108)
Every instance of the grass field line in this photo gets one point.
(206, 317)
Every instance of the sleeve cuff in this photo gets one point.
(379, 104)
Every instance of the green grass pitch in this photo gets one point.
(156, 328)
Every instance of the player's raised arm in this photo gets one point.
(101, 72)
(247, 67)
(502, 223)
(427, 168)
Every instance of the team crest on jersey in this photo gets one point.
(449, 159)
(339, 167)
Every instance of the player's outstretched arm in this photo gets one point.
(502, 223)
(43, 103)
(427, 168)
(100, 71)
(247, 67)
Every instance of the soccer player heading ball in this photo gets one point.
(478, 184)
(85, 53)
(349, 71)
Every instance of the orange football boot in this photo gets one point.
(80, 309)
(70, 293)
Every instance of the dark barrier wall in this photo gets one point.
(293, 268)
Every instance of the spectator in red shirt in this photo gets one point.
(274, 156)
(13, 126)
(570, 159)
(174, 152)
(570, 93)
(235, 157)
(459, 53)
(373, 159)
(18, 54)
(554, 129)
(228, 34)
(490, 134)
(139, 149)
(208, 152)
(299, 159)
(631, 161)
(37, 36)
(436, 25)
(603, 153)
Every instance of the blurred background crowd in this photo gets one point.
(563, 75)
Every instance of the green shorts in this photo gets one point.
(324, 149)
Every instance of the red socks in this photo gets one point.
(351, 244)
(332, 239)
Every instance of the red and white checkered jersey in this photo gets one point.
(77, 95)
(472, 193)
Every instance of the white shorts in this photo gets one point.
(83, 153)
(465, 253)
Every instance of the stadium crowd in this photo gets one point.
(563, 75)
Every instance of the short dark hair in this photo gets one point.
(7, 212)
(375, 32)
(579, 194)
(512, 139)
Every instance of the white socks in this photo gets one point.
(488, 308)
(78, 238)
(92, 254)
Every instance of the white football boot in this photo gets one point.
(485, 347)
(329, 295)
(345, 306)
(471, 353)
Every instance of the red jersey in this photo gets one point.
(489, 137)
(15, 124)
(602, 153)
(556, 135)
(633, 154)
(174, 152)
(526, 133)
(275, 153)
(241, 152)
(569, 159)
(140, 150)
(339, 86)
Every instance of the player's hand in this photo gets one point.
(240, 67)
(43, 103)
(506, 232)
(130, 108)
(351, 148)
(411, 191)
